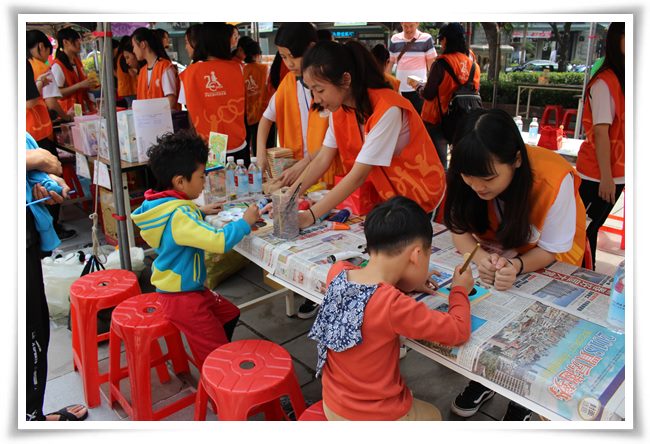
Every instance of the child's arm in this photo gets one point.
(190, 230)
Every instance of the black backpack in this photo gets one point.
(463, 100)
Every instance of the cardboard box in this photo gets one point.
(362, 200)
(109, 224)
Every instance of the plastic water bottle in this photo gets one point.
(616, 314)
(241, 178)
(533, 130)
(520, 124)
(231, 188)
(255, 178)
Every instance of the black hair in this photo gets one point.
(192, 34)
(275, 71)
(381, 54)
(484, 137)
(34, 37)
(161, 33)
(174, 154)
(250, 47)
(455, 38)
(65, 34)
(394, 224)
(324, 34)
(614, 58)
(213, 41)
(154, 42)
(296, 37)
(330, 60)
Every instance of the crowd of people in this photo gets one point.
(341, 111)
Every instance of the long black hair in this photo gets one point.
(297, 37)
(154, 42)
(275, 71)
(213, 41)
(485, 137)
(192, 34)
(614, 57)
(455, 38)
(34, 37)
(65, 34)
(330, 60)
(250, 47)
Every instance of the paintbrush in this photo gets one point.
(469, 258)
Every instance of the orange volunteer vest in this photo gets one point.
(72, 78)
(215, 96)
(39, 124)
(462, 65)
(126, 85)
(289, 126)
(587, 163)
(155, 88)
(549, 170)
(416, 173)
(255, 75)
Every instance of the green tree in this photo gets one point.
(562, 38)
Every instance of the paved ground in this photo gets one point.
(428, 380)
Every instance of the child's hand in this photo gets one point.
(251, 215)
(464, 280)
(212, 208)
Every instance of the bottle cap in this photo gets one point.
(254, 159)
(240, 161)
(230, 158)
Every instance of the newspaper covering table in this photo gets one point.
(544, 342)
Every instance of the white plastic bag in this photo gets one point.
(58, 275)
(137, 260)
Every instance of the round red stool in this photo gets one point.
(246, 377)
(139, 322)
(89, 294)
(314, 413)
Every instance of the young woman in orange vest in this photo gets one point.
(522, 200)
(376, 132)
(126, 71)
(382, 56)
(440, 85)
(213, 89)
(69, 75)
(39, 124)
(300, 128)
(159, 78)
(601, 159)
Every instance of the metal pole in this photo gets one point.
(108, 105)
(590, 50)
(523, 45)
(255, 31)
(496, 68)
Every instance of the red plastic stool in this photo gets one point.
(246, 377)
(139, 322)
(314, 413)
(569, 122)
(89, 294)
(556, 111)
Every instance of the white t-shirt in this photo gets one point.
(168, 81)
(304, 102)
(560, 224)
(51, 89)
(385, 140)
(59, 79)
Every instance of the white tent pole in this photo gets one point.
(590, 56)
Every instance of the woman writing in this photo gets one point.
(522, 201)
(377, 133)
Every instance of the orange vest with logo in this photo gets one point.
(215, 96)
(39, 124)
(155, 88)
(255, 81)
(415, 173)
(587, 162)
(462, 65)
(289, 125)
(549, 170)
(72, 78)
(126, 84)
(393, 81)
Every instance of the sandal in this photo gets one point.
(66, 415)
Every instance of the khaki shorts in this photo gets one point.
(420, 411)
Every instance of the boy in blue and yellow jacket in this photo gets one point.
(173, 225)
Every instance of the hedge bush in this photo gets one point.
(508, 82)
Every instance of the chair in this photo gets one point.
(569, 122)
(552, 116)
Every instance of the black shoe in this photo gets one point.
(473, 397)
(307, 310)
(64, 234)
(516, 412)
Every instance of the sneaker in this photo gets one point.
(473, 397)
(64, 234)
(517, 412)
(307, 310)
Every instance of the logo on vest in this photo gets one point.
(212, 84)
(251, 86)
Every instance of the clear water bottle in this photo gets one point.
(231, 187)
(255, 178)
(616, 314)
(241, 178)
(533, 130)
(520, 124)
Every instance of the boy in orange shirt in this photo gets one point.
(365, 311)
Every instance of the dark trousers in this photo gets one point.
(439, 141)
(415, 99)
(597, 211)
(38, 335)
(251, 137)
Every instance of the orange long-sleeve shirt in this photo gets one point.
(364, 382)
